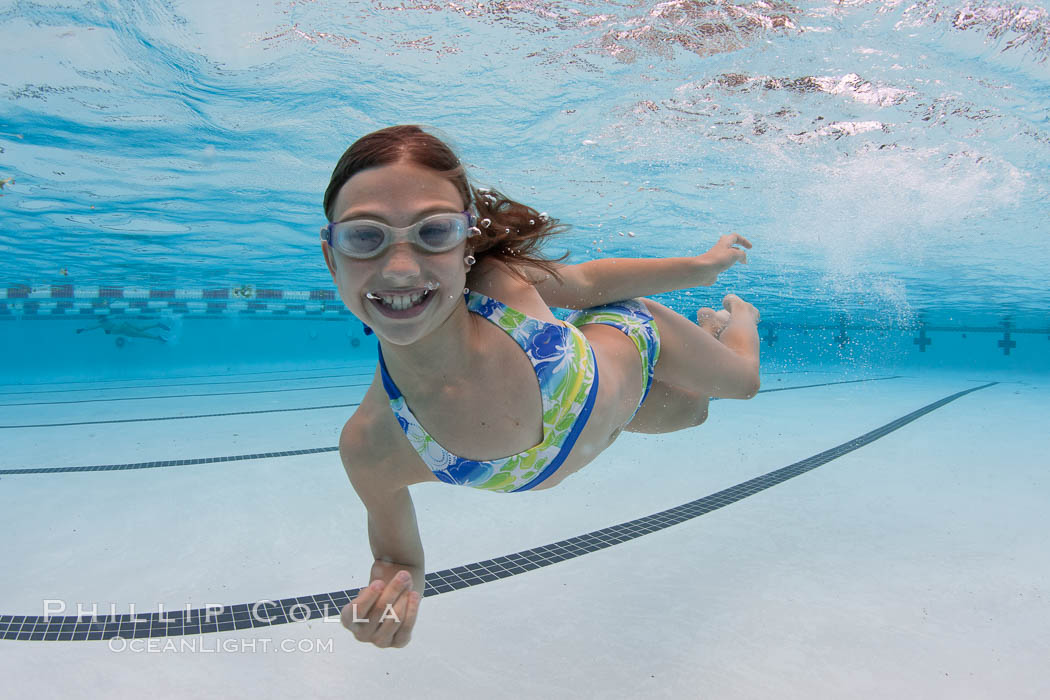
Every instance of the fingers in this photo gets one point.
(408, 619)
(355, 613)
(730, 240)
(393, 610)
(736, 239)
(385, 613)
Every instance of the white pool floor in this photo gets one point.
(916, 565)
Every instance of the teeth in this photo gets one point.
(399, 302)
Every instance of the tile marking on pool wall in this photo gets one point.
(366, 372)
(188, 376)
(81, 302)
(185, 396)
(209, 460)
(185, 384)
(268, 613)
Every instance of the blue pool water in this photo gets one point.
(163, 165)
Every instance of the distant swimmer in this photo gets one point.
(125, 329)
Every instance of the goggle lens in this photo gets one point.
(365, 239)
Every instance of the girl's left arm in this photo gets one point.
(597, 282)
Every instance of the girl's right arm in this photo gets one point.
(385, 611)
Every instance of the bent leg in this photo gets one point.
(669, 408)
(692, 359)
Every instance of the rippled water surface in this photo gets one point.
(888, 160)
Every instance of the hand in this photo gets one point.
(723, 255)
(375, 621)
(735, 305)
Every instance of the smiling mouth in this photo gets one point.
(400, 302)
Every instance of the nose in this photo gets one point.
(401, 264)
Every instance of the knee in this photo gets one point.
(699, 414)
(753, 387)
(744, 387)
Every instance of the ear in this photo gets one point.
(329, 258)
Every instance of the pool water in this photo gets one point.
(175, 366)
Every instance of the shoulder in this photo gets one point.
(372, 448)
(495, 278)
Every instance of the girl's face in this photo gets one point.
(398, 195)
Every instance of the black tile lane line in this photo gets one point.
(169, 462)
(200, 415)
(268, 613)
(184, 376)
(277, 410)
(168, 386)
(186, 396)
(810, 386)
(345, 405)
(187, 462)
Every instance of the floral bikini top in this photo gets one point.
(568, 378)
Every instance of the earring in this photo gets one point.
(469, 260)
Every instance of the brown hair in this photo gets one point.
(514, 232)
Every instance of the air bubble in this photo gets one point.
(485, 223)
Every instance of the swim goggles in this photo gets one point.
(364, 238)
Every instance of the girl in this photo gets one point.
(478, 384)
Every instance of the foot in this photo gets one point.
(734, 304)
(714, 322)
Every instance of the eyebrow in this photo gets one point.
(438, 208)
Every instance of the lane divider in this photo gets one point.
(56, 301)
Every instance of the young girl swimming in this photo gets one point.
(478, 384)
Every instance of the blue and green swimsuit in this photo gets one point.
(568, 377)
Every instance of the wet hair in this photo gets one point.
(515, 232)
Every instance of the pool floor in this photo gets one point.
(911, 561)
